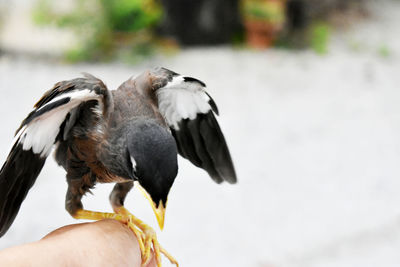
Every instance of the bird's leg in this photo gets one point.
(73, 205)
(96, 215)
(149, 236)
(117, 198)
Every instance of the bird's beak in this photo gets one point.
(160, 213)
(159, 210)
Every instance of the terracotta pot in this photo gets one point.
(260, 34)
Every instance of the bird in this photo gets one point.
(130, 136)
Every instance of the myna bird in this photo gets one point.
(130, 134)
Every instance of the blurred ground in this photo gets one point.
(315, 141)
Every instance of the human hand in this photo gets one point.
(101, 243)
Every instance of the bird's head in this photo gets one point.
(153, 154)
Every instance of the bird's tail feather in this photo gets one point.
(17, 176)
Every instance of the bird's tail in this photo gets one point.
(17, 176)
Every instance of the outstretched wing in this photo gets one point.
(52, 118)
(189, 111)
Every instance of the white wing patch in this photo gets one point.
(180, 100)
(40, 134)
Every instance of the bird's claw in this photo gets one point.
(150, 239)
(139, 236)
(147, 239)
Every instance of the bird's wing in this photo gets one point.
(189, 111)
(51, 118)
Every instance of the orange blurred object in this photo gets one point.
(263, 20)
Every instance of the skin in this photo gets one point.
(100, 243)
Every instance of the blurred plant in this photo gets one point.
(270, 11)
(320, 33)
(263, 19)
(384, 51)
(106, 29)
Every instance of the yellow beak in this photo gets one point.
(158, 211)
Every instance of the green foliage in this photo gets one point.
(131, 15)
(41, 13)
(103, 26)
(319, 37)
(264, 10)
(384, 51)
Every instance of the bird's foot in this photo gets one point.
(145, 235)
(147, 238)
(95, 215)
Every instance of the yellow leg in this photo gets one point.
(124, 218)
(149, 238)
(95, 215)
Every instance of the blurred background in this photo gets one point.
(308, 92)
